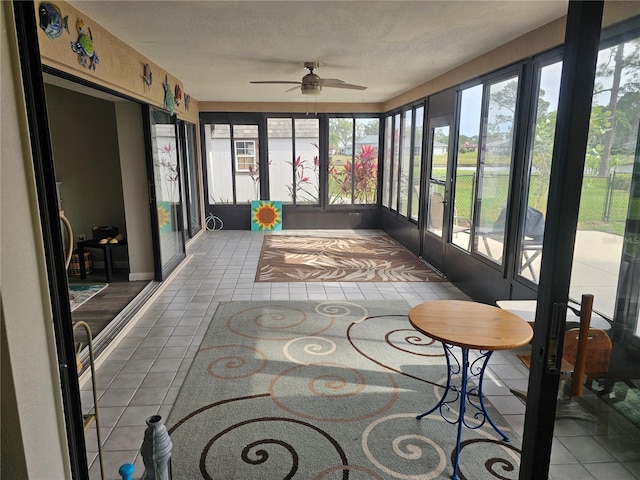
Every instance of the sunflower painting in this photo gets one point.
(266, 215)
(164, 217)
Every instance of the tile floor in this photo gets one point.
(143, 374)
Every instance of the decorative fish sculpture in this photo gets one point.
(51, 20)
(177, 96)
(168, 96)
(147, 75)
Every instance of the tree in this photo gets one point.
(340, 133)
(622, 70)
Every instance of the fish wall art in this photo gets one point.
(168, 95)
(177, 95)
(147, 75)
(51, 20)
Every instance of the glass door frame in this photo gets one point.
(162, 270)
(191, 206)
(578, 75)
(434, 245)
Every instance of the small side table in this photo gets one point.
(468, 325)
(106, 247)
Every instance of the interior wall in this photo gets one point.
(32, 416)
(121, 68)
(135, 191)
(87, 161)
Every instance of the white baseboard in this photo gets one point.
(134, 277)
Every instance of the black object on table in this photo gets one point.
(106, 247)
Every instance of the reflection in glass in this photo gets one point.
(167, 186)
(540, 170)
(495, 169)
(606, 185)
(467, 161)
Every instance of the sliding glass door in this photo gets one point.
(191, 179)
(165, 191)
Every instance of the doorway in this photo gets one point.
(99, 161)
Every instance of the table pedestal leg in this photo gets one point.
(463, 395)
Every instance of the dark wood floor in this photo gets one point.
(106, 305)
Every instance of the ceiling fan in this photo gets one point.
(312, 84)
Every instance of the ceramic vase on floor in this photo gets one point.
(156, 450)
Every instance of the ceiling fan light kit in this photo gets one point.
(312, 84)
(311, 89)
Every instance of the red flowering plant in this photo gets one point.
(362, 174)
(305, 180)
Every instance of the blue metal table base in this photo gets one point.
(472, 396)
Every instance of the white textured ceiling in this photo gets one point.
(217, 47)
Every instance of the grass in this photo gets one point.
(595, 212)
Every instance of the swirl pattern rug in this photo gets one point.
(340, 258)
(282, 390)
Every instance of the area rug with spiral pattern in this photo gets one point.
(281, 390)
(340, 258)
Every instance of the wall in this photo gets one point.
(120, 67)
(87, 162)
(135, 191)
(32, 414)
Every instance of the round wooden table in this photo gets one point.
(468, 325)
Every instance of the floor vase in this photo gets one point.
(156, 450)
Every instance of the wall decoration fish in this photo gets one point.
(177, 95)
(51, 20)
(168, 95)
(147, 75)
(84, 47)
(187, 101)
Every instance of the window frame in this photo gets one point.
(238, 156)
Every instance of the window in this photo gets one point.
(386, 175)
(294, 166)
(233, 173)
(395, 163)
(539, 169)
(483, 165)
(246, 160)
(494, 171)
(405, 163)
(353, 160)
(467, 160)
(417, 163)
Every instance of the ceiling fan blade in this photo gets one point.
(297, 87)
(345, 85)
(277, 82)
(330, 81)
